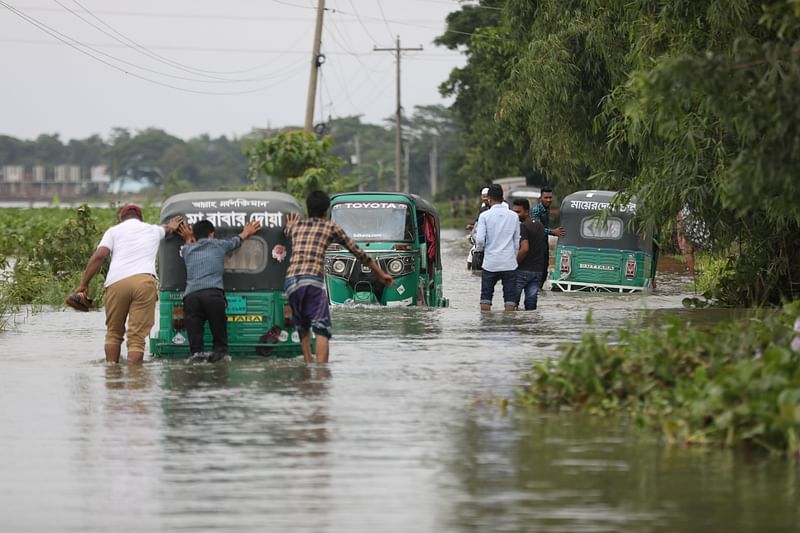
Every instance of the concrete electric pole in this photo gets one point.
(315, 63)
(434, 166)
(398, 164)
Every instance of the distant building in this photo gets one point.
(39, 183)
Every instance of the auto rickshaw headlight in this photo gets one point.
(395, 266)
(338, 266)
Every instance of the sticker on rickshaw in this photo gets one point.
(245, 318)
(236, 305)
(591, 266)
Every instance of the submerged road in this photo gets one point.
(398, 433)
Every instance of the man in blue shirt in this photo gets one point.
(497, 234)
(204, 296)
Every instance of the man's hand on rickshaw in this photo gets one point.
(185, 233)
(385, 278)
(292, 219)
(250, 229)
(173, 224)
(559, 232)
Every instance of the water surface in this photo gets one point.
(395, 434)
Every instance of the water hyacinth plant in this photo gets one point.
(736, 383)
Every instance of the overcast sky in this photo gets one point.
(217, 67)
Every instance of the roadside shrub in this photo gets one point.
(734, 383)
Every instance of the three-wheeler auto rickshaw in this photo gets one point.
(603, 250)
(259, 319)
(401, 232)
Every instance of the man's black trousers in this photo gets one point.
(199, 307)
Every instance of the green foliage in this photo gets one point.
(495, 142)
(50, 248)
(299, 160)
(737, 382)
(683, 104)
(200, 162)
(50, 260)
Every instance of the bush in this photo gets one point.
(734, 383)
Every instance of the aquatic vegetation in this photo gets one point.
(51, 247)
(733, 383)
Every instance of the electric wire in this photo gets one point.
(144, 50)
(117, 13)
(78, 46)
(361, 22)
(133, 45)
(216, 50)
(462, 4)
(76, 43)
(385, 22)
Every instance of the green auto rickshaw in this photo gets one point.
(259, 319)
(603, 250)
(401, 232)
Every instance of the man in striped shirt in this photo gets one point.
(204, 296)
(305, 279)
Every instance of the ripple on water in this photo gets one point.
(398, 433)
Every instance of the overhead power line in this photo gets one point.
(398, 181)
(91, 52)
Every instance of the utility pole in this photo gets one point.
(315, 63)
(434, 163)
(398, 181)
(407, 175)
(358, 162)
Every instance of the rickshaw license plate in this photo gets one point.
(236, 305)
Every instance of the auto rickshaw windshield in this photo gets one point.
(374, 221)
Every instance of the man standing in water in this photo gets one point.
(305, 282)
(204, 296)
(542, 213)
(497, 234)
(130, 287)
(530, 257)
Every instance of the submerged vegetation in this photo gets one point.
(44, 251)
(733, 383)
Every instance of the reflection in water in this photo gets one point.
(572, 472)
(390, 436)
(260, 423)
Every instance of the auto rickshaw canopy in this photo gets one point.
(582, 215)
(266, 259)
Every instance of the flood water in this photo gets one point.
(396, 434)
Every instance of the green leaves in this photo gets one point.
(298, 159)
(737, 382)
(684, 104)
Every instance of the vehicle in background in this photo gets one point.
(603, 250)
(530, 193)
(401, 232)
(509, 183)
(259, 318)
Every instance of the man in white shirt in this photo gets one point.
(130, 287)
(497, 235)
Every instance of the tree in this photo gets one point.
(137, 157)
(681, 103)
(299, 160)
(494, 144)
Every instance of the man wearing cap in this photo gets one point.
(497, 234)
(484, 206)
(130, 292)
